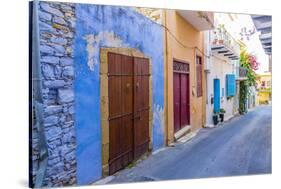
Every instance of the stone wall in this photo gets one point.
(56, 28)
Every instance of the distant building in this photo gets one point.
(264, 87)
(222, 69)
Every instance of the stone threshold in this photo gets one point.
(182, 132)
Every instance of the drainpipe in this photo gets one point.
(166, 80)
(37, 96)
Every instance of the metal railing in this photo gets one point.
(220, 36)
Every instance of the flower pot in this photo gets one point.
(221, 117)
(215, 119)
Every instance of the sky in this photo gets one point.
(234, 23)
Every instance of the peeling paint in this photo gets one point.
(158, 126)
(94, 42)
(99, 26)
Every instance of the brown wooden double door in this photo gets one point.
(181, 95)
(128, 86)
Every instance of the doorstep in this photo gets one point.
(182, 132)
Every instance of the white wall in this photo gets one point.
(218, 68)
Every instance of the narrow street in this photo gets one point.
(240, 146)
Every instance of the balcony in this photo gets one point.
(224, 45)
(198, 19)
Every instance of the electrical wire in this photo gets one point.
(190, 47)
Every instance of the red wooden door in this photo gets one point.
(120, 84)
(177, 99)
(184, 99)
(141, 106)
(181, 95)
(128, 85)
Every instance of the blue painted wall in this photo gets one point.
(107, 26)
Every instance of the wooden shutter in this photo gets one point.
(230, 85)
(199, 75)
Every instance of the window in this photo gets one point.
(199, 75)
(263, 84)
(230, 85)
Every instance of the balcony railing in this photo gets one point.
(224, 44)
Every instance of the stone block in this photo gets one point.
(104, 86)
(46, 7)
(105, 154)
(66, 61)
(53, 133)
(54, 109)
(59, 20)
(68, 138)
(58, 71)
(60, 27)
(45, 16)
(46, 49)
(50, 59)
(46, 27)
(70, 156)
(67, 125)
(65, 95)
(48, 71)
(66, 7)
(62, 119)
(71, 109)
(72, 22)
(68, 72)
(51, 120)
(59, 40)
(104, 107)
(58, 48)
(54, 83)
(53, 161)
(105, 131)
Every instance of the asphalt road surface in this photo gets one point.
(240, 146)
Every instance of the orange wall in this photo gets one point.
(189, 36)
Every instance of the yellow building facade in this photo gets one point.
(183, 48)
(264, 88)
(185, 45)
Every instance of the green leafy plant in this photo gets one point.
(249, 62)
(222, 111)
(243, 96)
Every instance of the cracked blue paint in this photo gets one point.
(110, 26)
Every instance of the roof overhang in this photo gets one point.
(263, 24)
(200, 20)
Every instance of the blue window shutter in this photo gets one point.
(216, 95)
(230, 85)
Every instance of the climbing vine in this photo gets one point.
(248, 61)
(243, 96)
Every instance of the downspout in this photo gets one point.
(166, 79)
(37, 96)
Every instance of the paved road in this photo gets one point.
(240, 146)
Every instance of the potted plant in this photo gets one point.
(221, 114)
(215, 118)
